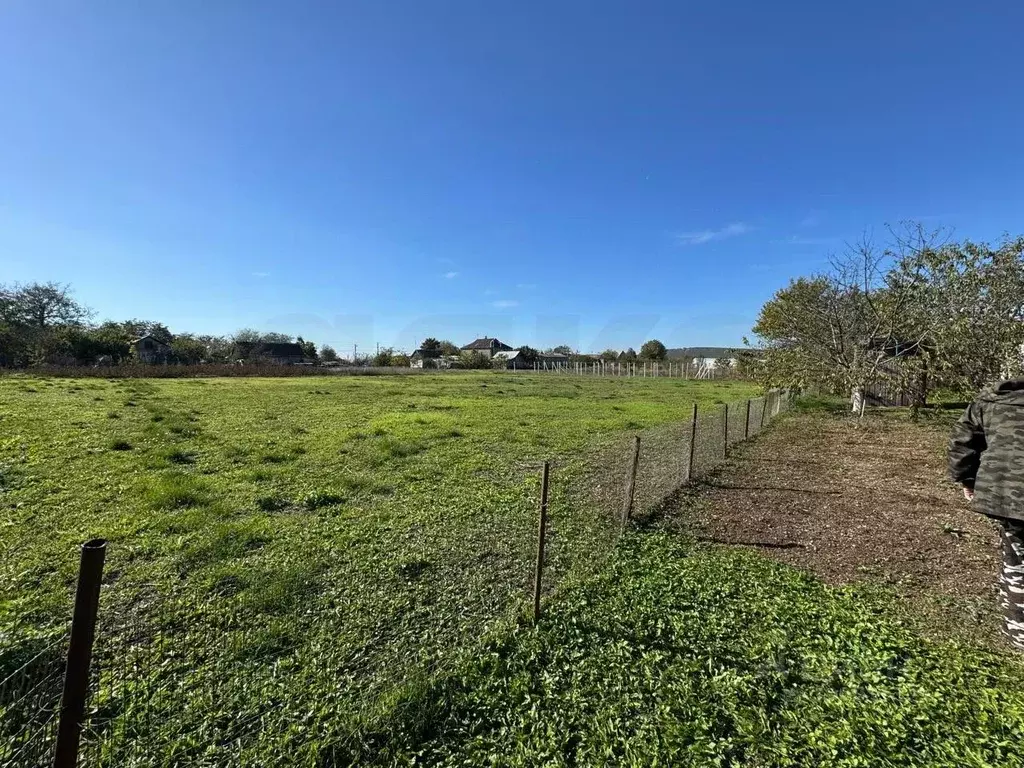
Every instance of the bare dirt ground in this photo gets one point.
(860, 500)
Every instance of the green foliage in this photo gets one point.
(430, 347)
(629, 356)
(328, 354)
(653, 350)
(449, 349)
(953, 311)
(40, 306)
(474, 360)
(528, 355)
(188, 349)
(308, 348)
(383, 358)
(253, 336)
(971, 297)
(610, 355)
(680, 656)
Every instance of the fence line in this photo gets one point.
(644, 370)
(154, 682)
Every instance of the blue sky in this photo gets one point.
(593, 173)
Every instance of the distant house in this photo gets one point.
(486, 346)
(513, 359)
(422, 359)
(274, 352)
(150, 350)
(706, 357)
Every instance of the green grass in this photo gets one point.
(684, 656)
(353, 531)
(332, 571)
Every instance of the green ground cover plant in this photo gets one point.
(680, 655)
(307, 548)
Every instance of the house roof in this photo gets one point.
(506, 354)
(269, 348)
(151, 336)
(553, 356)
(486, 343)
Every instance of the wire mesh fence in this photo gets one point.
(219, 675)
(30, 697)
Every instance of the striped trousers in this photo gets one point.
(1011, 580)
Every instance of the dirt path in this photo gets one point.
(860, 501)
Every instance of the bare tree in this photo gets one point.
(850, 327)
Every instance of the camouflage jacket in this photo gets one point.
(986, 451)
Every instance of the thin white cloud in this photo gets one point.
(504, 303)
(446, 261)
(261, 274)
(450, 275)
(489, 292)
(810, 220)
(708, 235)
(525, 286)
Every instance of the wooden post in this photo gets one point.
(693, 442)
(627, 507)
(76, 673)
(541, 532)
(725, 436)
(764, 408)
(746, 422)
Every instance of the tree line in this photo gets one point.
(919, 312)
(434, 350)
(43, 324)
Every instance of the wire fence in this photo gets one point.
(225, 676)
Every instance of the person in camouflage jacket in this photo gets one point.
(986, 456)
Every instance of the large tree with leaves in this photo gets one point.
(853, 325)
(970, 297)
(653, 350)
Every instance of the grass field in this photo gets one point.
(319, 572)
(682, 655)
(336, 537)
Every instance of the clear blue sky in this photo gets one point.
(585, 172)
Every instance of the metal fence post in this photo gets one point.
(746, 422)
(764, 409)
(76, 673)
(693, 441)
(541, 533)
(627, 507)
(725, 435)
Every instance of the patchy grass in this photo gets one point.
(311, 499)
(676, 655)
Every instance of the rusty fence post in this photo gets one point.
(693, 443)
(76, 672)
(541, 534)
(746, 422)
(627, 506)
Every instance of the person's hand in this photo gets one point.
(968, 493)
